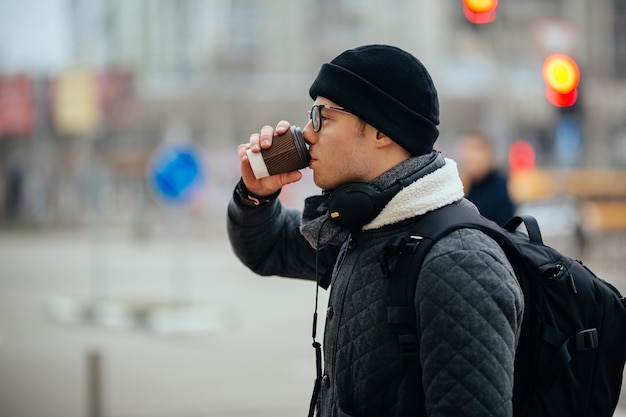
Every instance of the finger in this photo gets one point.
(290, 177)
(267, 133)
(273, 183)
(255, 142)
(248, 175)
(282, 127)
(242, 151)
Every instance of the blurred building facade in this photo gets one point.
(223, 68)
(235, 54)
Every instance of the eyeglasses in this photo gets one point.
(315, 114)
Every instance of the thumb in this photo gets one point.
(288, 177)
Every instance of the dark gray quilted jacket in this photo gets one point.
(469, 309)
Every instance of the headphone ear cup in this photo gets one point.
(353, 205)
(356, 204)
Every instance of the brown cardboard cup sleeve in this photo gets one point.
(288, 153)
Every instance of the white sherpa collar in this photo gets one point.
(427, 193)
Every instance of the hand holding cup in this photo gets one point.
(272, 158)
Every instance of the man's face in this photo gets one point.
(339, 151)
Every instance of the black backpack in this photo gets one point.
(572, 348)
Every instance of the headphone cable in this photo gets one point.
(316, 345)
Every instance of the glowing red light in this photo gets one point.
(561, 74)
(480, 11)
(521, 156)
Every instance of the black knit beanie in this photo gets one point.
(388, 88)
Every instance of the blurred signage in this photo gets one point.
(568, 142)
(117, 97)
(76, 109)
(17, 106)
(176, 173)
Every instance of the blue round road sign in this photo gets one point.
(176, 173)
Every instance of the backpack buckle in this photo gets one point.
(412, 242)
(587, 339)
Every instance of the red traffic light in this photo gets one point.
(521, 156)
(561, 74)
(480, 11)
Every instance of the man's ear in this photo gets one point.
(382, 139)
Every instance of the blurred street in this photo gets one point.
(253, 357)
(248, 354)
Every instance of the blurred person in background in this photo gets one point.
(14, 189)
(485, 185)
(371, 133)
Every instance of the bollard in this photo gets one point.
(94, 384)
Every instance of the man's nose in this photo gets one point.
(308, 134)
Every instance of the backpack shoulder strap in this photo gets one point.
(410, 251)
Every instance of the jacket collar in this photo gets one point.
(428, 193)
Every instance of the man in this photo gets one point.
(371, 133)
(486, 187)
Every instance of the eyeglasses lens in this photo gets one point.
(315, 118)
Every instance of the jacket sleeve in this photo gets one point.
(469, 308)
(268, 241)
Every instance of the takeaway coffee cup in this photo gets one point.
(288, 152)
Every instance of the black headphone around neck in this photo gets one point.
(356, 204)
